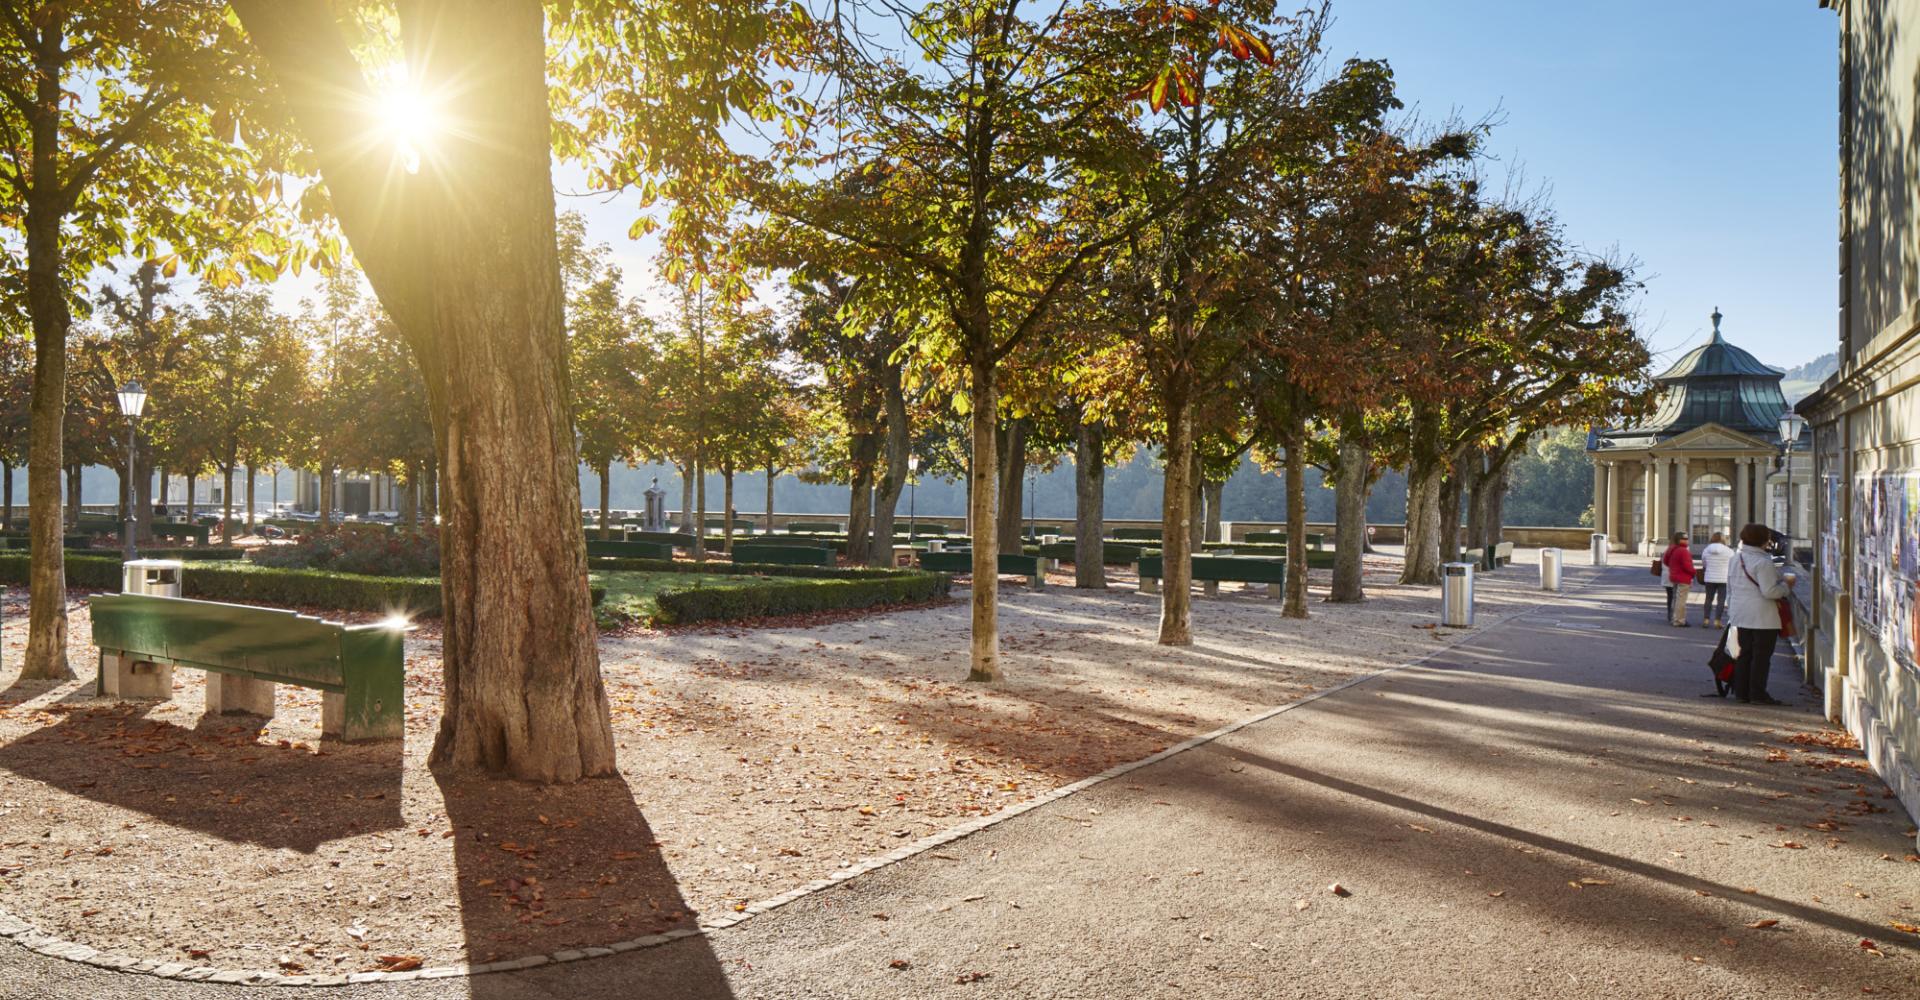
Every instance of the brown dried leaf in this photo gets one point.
(1757, 924)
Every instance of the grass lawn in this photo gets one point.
(630, 594)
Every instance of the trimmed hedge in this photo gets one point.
(1111, 553)
(695, 604)
(616, 565)
(633, 549)
(245, 583)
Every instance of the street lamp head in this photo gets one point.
(1791, 424)
(913, 463)
(133, 399)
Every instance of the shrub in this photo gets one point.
(616, 564)
(367, 553)
(695, 604)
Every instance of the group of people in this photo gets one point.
(1743, 592)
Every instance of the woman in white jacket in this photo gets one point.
(1715, 559)
(1754, 588)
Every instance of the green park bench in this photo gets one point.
(182, 532)
(1111, 553)
(245, 652)
(783, 555)
(961, 561)
(1502, 555)
(1214, 570)
(924, 530)
(814, 527)
(1137, 534)
(1316, 541)
(800, 541)
(675, 539)
(630, 549)
(741, 525)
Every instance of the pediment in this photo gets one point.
(1713, 437)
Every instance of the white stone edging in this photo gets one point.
(30, 938)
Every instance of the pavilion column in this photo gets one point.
(1620, 541)
(1682, 497)
(1757, 511)
(1742, 492)
(1649, 517)
(1602, 514)
(1660, 501)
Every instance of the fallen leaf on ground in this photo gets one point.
(400, 963)
(1757, 924)
(971, 977)
(1339, 890)
(1904, 928)
(899, 963)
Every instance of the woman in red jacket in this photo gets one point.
(1678, 562)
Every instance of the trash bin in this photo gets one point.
(1599, 549)
(152, 577)
(1456, 595)
(1049, 539)
(936, 545)
(1550, 560)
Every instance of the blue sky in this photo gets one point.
(1695, 135)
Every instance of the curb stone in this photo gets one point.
(27, 936)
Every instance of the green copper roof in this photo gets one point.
(1716, 383)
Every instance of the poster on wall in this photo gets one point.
(1830, 531)
(1866, 561)
(1900, 621)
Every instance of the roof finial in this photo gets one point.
(1716, 324)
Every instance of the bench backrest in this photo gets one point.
(630, 550)
(1138, 534)
(1111, 553)
(823, 527)
(784, 555)
(962, 562)
(264, 641)
(1242, 569)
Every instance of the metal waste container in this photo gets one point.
(1550, 560)
(936, 545)
(1456, 595)
(1599, 549)
(152, 577)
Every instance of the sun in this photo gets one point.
(408, 119)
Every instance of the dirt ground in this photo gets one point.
(752, 760)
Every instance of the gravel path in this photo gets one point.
(1545, 811)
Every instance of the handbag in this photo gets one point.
(1656, 568)
(1783, 604)
(1726, 653)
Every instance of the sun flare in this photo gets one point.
(409, 120)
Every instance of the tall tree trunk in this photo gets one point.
(1497, 503)
(1214, 493)
(226, 503)
(899, 441)
(1176, 519)
(6, 495)
(463, 256)
(73, 495)
(1451, 499)
(1012, 454)
(699, 505)
(1422, 564)
(1350, 521)
(1089, 505)
(192, 479)
(985, 654)
(47, 308)
(326, 496)
(252, 475)
(864, 454)
(771, 473)
(1295, 605)
(686, 494)
(143, 489)
(605, 472)
(726, 510)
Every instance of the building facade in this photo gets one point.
(1708, 459)
(1866, 418)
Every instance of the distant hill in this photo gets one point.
(1806, 378)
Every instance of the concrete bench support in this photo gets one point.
(230, 694)
(122, 676)
(1149, 585)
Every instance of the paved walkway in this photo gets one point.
(1546, 811)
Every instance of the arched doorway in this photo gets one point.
(1709, 508)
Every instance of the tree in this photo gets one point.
(605, 357)
(117, 138)
(16, 387)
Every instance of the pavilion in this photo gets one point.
(1709, 454)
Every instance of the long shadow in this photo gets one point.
(1581, 852)
(581, 857)
(216, 779)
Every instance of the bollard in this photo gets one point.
(1456, 595)
(1599, 549)
(1550, 560)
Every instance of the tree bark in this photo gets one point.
(73, 495)
(1295, 605)
(1012, 455)
(463, 256)
(252, 474)
(699, 506)
(770, 474)
(1497, 503)
(1350, 521)
(1089, 506)
(1213, 494)
(726, 510)
(6, 495)
(1450, 503)
(326, 496)
(1176, 520)
(142, 489)
(864, 454)
(985, 652)
(1422, 563)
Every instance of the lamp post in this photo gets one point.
(913, 490)
(1791, 424)
(133, 399)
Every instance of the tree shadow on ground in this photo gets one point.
(574, 867)
(218, 778)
